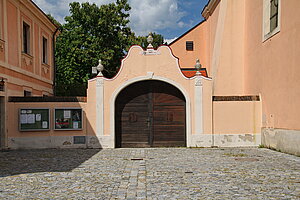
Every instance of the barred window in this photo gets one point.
(189, 45)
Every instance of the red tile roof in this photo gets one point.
(191, 72)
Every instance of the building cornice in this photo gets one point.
(39, 13)
(209, 8)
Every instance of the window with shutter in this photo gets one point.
(189, 45)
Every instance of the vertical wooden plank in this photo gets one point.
(132, 110)
(169, 116)
(150, 113)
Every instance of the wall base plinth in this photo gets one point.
(225, 140)
(201, 140)
(100, 142)
(282, 140)
(237, 140)
(62, 142)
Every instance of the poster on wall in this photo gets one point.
(34, 119)
(68, 119)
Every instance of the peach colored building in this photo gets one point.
(152, 105)
(251, 47)
(26, 53)
(249, 97)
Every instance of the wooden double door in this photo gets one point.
(150, 114)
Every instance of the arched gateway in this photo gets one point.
(149, 103)
(150, 114)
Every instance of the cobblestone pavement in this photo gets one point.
(161, 173)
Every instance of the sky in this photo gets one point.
(170, 18)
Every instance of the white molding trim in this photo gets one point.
(99, 106)
(143, 78)
(19, 82)
(27, 73)
(198, 106)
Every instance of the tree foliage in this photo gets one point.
(89, 34)
(157, 40)
(53, 20)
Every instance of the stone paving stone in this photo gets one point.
(158, 173)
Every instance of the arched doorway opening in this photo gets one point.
(150, 114)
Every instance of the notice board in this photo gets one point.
(68, 119)
(34, 119)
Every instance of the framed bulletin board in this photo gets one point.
(34, 119)
(67, 119)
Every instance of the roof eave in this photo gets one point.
(186, 32)
(209, 8)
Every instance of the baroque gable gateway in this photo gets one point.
(149, 103)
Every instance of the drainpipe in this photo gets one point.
(54, 62)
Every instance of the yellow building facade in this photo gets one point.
(26, 54)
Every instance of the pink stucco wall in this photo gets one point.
(136, 66)
(200, 39)
(13, 118)
(240, 62)
(237, 117)
(25, 70)
(271, 67)
(12, 23)
(1, 20)
(203, 36)
(220, 119)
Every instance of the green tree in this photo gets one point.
(157, 40)
(53, 20)
(89, 34)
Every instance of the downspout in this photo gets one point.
(54, 61)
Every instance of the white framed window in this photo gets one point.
(271, 18)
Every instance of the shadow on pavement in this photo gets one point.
(44, 160)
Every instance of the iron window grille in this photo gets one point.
(189, 45)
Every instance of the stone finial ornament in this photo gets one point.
(100, 67)
(97, 69)
(198, 67)
(150, 40)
